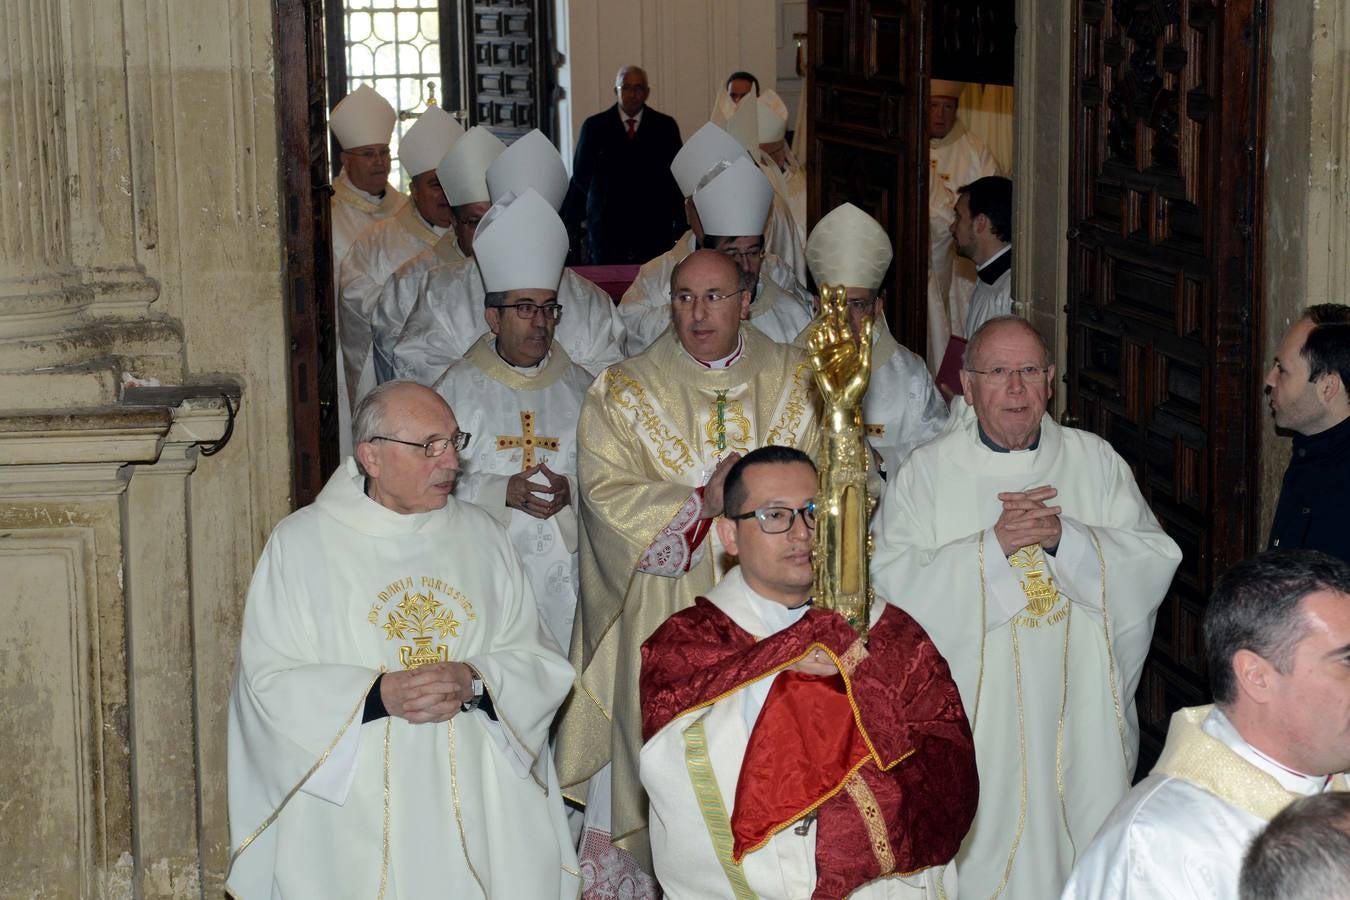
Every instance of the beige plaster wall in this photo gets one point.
(1306, 225)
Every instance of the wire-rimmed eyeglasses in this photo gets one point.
(778, 519)
(526, 310)
(1001, 374)
(712, 298)
(435, 446)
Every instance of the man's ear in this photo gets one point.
(493, 317)
(747, 295)
(726, 530)
(968, 387)
(369, 458)
(982, 224)
(1254, 675)
(1329, 387)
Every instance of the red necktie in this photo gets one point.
(632, 128)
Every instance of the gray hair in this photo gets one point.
(618, 77)
(973, 347)
(1304, 853)
(368, 417)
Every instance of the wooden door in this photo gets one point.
(1163, 313)
(510, 72)
(866, 136)
(302, 116)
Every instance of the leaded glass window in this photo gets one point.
(395, 47)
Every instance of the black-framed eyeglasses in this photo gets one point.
(1001, 374)
(743, 255)
(526, 310)
(434, 447)
(778, 519)
(712, 298)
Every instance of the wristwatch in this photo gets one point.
(476, 685)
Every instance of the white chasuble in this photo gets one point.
(954, 161)
(447, 317)
(655, 428)
(687, 862)
(519, 418)
(645, 307)
(1046, 650)
(372, 259)
(1182, 832)
(399, 295)
(350, 213)
(902, 407)
(322, 806)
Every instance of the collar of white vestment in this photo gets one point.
(753, 613)
(344, 499)
(352, 195)
(1204, 749)
(1007, 248)
(963, 419)
(412, 220)
(725, 362)
(958, 131)
(483, 356)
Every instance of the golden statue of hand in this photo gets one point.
(842, 366)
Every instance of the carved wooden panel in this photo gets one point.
(509, 85)
(1162, 311)
(866, 135)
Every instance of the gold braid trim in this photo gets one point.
(713, 808)
(1110, 650)
(384, 861)
(1059, 731)
(784, 431)
(459, 818)
(631, 397)
(866, 802)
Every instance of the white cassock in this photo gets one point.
(518, 418)
(993, 291)
(645, 307)
(1182, 835)
(902, 407)
(350, 213)
(399, 295)
(324, 806)
(372, 259)
(1031, 639)
(954, 161)
(686, 861)
(447, 317)
(789, 186)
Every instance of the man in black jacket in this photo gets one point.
(622, 191)
(1308, 395)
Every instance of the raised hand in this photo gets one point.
(842, 366)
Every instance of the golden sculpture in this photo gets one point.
(843, 368)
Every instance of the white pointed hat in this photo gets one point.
(428, 140)
(939, 87)
(362, 118)
(772, 117)
(520, 244)
(709, 146)
(462, 172)
(744, 125)
(736, 201)
(848, 248)
(531, 162)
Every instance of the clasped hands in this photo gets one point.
(1027, 520)
(522, 493)
(432, 693)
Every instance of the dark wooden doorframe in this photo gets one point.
(867, 99)
(1164, 313)
(302, 156)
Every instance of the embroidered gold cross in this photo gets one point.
(527, 440)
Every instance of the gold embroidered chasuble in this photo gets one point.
(649, 435)
(1046, 650)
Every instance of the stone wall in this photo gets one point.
(138, 236)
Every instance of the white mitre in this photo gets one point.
(362, 118)
(520, 244)
(848, 248)
(744, 125)
(531, 162)
(938, 87)
(463, 170)
(709, 146)
(735, 202)
(771, 115)
(428, 140)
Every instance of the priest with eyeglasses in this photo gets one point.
(389, 722)
(661, 431)
(518, 389)
(1027, 552)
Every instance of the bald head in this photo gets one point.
(707, 303)
(630, 86)
(1001, 326)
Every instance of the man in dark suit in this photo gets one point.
(622, 191)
